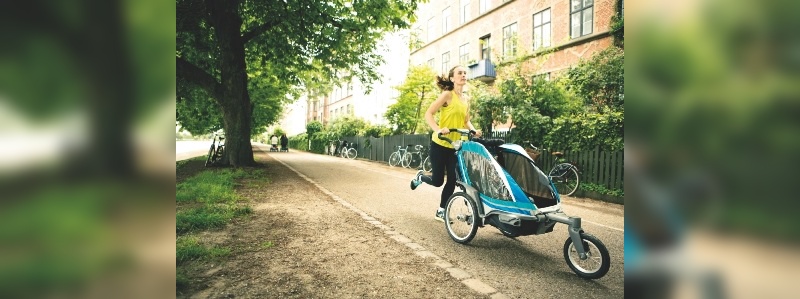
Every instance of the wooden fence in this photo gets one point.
(595, 166)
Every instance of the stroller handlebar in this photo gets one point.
(455, 130)
(485, 142)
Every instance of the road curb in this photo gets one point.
(460, 275)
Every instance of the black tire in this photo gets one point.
(596, 264)
(461, 218)
(565, 177)
(210, 156)
(220, 152)
(508, 234)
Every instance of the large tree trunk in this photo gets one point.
(99, 48)
(111, 92)
(235, 101)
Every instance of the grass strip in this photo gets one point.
(188, 248)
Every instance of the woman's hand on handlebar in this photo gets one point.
(444, 131)
(477, 133)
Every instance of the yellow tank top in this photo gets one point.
(452, 116)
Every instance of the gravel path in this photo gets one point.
(301, 243)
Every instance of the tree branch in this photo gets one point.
(258, 30)
(196, 76)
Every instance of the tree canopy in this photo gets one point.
(251, 57)
(416, 93)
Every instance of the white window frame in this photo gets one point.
(464, 11)
(431, 26)
(463, 54)
(483, 6)
(509, 46)
(445, 62)
(446, 14)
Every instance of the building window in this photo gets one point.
(464, 11)
(545, 77)
(445, 20)
(463, 54)
(483, 6)
(445, 62)
(349, 88)
(431, 26)
(541, 29)
(581, 17)
(431, 64)
(509, 40)
(486, 49)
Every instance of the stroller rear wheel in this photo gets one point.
(461, 218)
(597, 261)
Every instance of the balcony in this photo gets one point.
(482, 70)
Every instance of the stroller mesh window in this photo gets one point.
(530, 179)
(484, 176)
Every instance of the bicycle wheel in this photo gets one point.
(426, 165)
(352, 153)
(597, 260)
(461, 218)
(220, 152)
(210, 155)
(394, 159)
(565, 177)
(406, 161)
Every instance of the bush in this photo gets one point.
(299, 142)
(587, 130)
(600, 81)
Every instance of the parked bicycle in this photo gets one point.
(216, 151)
(348, 150)
(332, 146)
(418, 158)
(398, 156)
(565, 175)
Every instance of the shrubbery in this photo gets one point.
(321, 135)
(580, 110)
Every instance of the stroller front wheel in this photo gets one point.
(597, 262)
(461, 218)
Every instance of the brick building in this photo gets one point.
(351, 97)
(482, 34)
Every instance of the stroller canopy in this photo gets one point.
(533, 182)
(511, 181)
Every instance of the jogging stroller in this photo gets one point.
(500, 185)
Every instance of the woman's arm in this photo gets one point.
(444, 97)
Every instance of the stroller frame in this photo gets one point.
(492, 196)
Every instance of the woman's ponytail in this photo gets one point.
(444, 83)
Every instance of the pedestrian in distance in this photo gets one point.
(453, 108)
(284, 142)
(273, 140)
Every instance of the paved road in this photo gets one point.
(525, 267)
(190, 149)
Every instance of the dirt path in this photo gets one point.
(299, 243)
